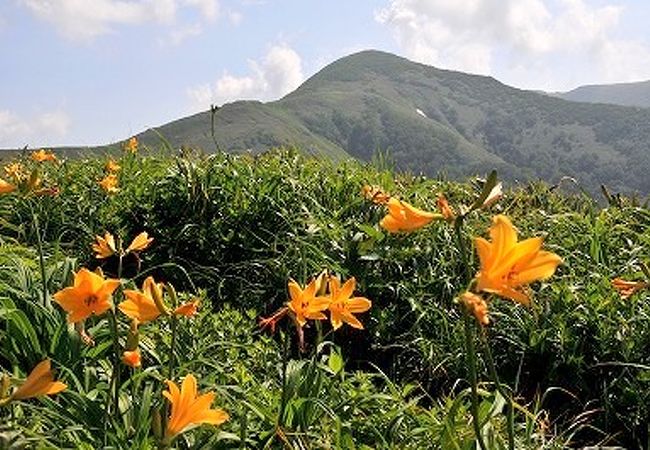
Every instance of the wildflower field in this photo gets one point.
(164, 300)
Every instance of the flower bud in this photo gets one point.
(4, 386)
(156, 423)
(133, 336)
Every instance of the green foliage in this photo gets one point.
(471, 124)
(433, 122)
(628, 94)
(239, 227)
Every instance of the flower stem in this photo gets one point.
(41, 256)
(499, 386)
(469, 334)
(115, 376)
(170, 367)
(116, 363)
(462, 248)
(471, 363)
(285, 362)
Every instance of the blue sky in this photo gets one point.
(84, 72)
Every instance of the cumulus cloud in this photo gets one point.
(208, 8)
(84, 20)
(235, 17)
(181, 34)
(277, 74)
(40, 129)
(488, 36)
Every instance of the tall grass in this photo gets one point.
(240, 226)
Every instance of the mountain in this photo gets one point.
(626, 94)
(434, 121)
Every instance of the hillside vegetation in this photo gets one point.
(571, 369)
(625, 94)
(435, 121)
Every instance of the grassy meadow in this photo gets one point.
(428, 370)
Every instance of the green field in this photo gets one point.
(570, 370)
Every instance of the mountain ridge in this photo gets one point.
(432, 121)
(624, 94)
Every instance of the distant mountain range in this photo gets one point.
(626, 94)
(435, 121)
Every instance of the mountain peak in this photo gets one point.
(431, 121)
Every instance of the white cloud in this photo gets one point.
(181, 34)
(40, 129)
(497, 36)
(84, 20)
(209, 8)
(277, 74)
(235, 17)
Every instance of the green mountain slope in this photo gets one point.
(436, 121)
(243, 126)
(433, 121)
(626, 94)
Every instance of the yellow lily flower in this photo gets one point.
(627, 288)
(6, 187)
(188, 408)
(507, 265)
(188, 309)
(15, 170)
(111, 166)
(139, 243)
(132, 358)
(104, 247)
(109, 183)
(43, 155)
(91, 294)
(494, 196)
(131, 145)
(141, 305)
(304, 304)
(405, 217)
(444, 208)
(342, 307)
(39, 382)
(477, 306)
(375, 194)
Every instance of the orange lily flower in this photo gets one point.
(131, 145)
(6, 187)
(342, 307)
(188, 408)
(444, 208)
(39, 382)
(188, 309)
(142, 305)
(43, 155)
(507, 265)
(111, 166)
(271, 322)
(304, 304)
(139, 243)
(109, 183)
(15, 170)
(627, 288)
(104, 246)
(477, 306)
(375, 194)
(132, 358)
(494, 196)
(91, 294)
(405, 217)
